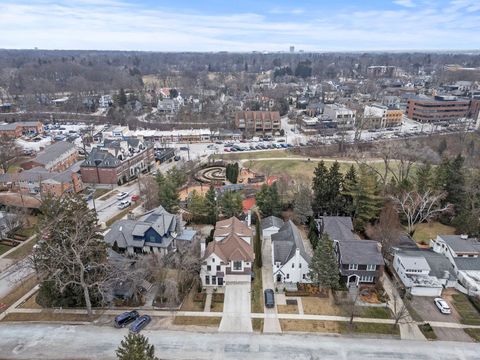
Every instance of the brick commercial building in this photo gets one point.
(17, 129)
(258, 122)
(437, 109)
(380, 116)
(117, 162)
(56, 157)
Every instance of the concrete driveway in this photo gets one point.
(236, 308)
(271, 324)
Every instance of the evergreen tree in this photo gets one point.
(424, 178)
(177, 177)
(231, 172)
(366, 198)
(268, 200)
(197, 206)
(122, 98)
(442, 146)
(349, 184)
(211, 206)
(258, 242)
(313, 232)
(302, 205)
(334, 187)
(320, 189)
(324, 266)
(135, 347)
(231, 203)
(167, 193)
(456, 183)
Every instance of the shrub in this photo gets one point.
(200, 297)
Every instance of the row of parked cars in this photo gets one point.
(132, 319)
(232, 147)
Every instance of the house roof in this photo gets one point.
(101, 157)
(467, 263)
(232, 226)
(362, 252)
(232, 248)
(271, 221)
(53, 152)
(461, 245)
(414, 261)
(285, 243)
(38, 174)
(337, 227)
(440, 266)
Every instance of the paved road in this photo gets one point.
(236, 308)
(66, 342)
(270, 323)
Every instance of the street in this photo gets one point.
(11, 277)
(66, 342)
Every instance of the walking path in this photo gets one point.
(208, 300)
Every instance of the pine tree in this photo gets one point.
(231, 203)
(320, 189)
(313, 232)
(302, 204)
(349, 184)
(135, 347)
(424, 178)
(167, 193)
(442, 146)
(334, 186)
(122, 98)
(258, 242)
(197, 206)
(211, 205)
(268, 200)
(456, 182)
(324, 266)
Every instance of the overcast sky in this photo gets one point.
(241, 25)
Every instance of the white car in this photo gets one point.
(124, 204)
(122, 195)
(442, 306)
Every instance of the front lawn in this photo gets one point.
(369, 328)
(375, 312)
(257, 292)
(474, 334)
(191, 303)
(197, 320)
(257, 324)
(427, 331)
(320, 306)
(49, 316)
(310, 326)
(4, 248)
(424, 232)
(287, 309)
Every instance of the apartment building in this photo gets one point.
(56, 157)
(255, 122)
(380, 116)
(440, 108)
(339, 114)
(17, 129)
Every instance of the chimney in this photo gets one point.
(379, 247)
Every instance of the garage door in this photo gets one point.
(426, 291)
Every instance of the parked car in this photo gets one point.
(227, 150)
(124, 204)
(125, 318)
(442, 306)
(269, 298)
(183, 148)
(140, 323)
(135, 197)
(177, 158)
(122, 195)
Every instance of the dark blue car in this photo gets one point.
(126, 318)
(140, 323)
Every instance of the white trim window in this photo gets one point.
(237, 265)
(366, 278)
(352, 266)
(371, 267)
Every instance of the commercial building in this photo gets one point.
(255, 122)
(383, 71)
(56, 157)
(437, 109)
(342, 116)
(378, 116)
(117, 162)
(17, 129)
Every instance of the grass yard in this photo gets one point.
(425, 232)
(216, 306)
(100, 192)
(255, 155)
(320, 306)
(369, 328)
(190, 305)
(22, 251)
(375, 312)
(428, 331)
(469, 315)
(197, 320)
(474, 334)
(310, 326)
(49, 316)
(287, 309)
(4, 248)
(31, 303)
(257, 292)
(257, 325)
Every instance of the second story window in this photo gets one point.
(371, 267)
(237, 265)
(352, 266)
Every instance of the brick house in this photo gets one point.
(55, 158)
(254, 122)
(17, 129)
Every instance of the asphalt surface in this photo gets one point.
(68, 342)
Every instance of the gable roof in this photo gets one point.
(232, 248)
(362, 252)
(285, 243)
(337, 227)
(461, 245)
(53, 152)
(440, 266)
(102, 157)
(232, 226)
(271, 221)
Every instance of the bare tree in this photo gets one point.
(148, 188)
(420, 207)
(8, 152)
(387, 229)
(400, 311)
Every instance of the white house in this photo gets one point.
(227, 260)
(271, 225)
(289, 259)
(464, 255)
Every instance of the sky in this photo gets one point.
(241, 25)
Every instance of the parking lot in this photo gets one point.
(426, 309)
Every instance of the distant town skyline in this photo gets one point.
(218, 25)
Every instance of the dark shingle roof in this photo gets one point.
(285, 243)
(53, 152)
(271, 221)
(103, 157)
(467, 263)
(362, 252)
(337, 227)
(458, 244)
(440, 266)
